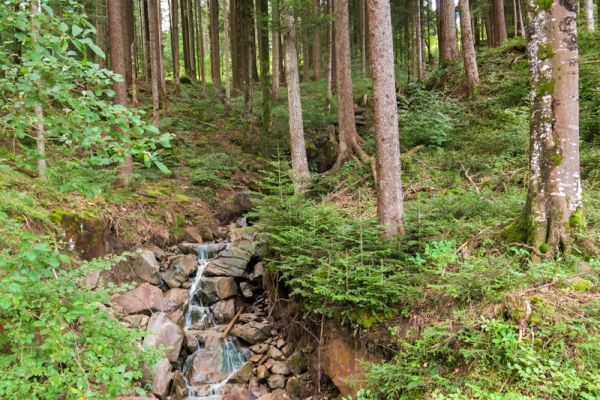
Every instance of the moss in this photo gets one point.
(545, 51)
(160, 192)
(366, 320)
(535, 318)
(582, 285)
(544, 5)
(180, 221)
(544, 248)
(57, 216)
(182, 199)
(555, 157)
(577, 220)
(545, 86)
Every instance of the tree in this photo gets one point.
(317, 53)
(348, 136)
(215, 63)
(154, 55)
(40, 138)
(276, 48)
(499, 22)
(468, 48)
(119, 66)
(447, 33)
(292, 72)
(390, 208)
(175, 42)
(554, 202)
(589, 15)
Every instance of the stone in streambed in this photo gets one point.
(180, 270)
(217, 288)
(146, 267)
(174, 299)
(146, 298)
(253, 332)
(164, 332)
(243, 375)
(223, 311)
(231, 262)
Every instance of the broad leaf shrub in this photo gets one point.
(57, 339)
(335, 260)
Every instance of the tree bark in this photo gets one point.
(317, 51)
(276, 48)
(305, 45)
(119, 66)
(500, 35)
(201, 46)
(249, 49)
(468, 49)
(589, 15)
(102, 33)
(329, 83)
(175, 43)
(215, 58)
(226, 57)
(161, 62)
(390, 208)
(348, 136)
(154, 55)
(129, 22)
(363, 37)
(263, 36)
(447, 33)
(40, 137)
(292, 70)
(554, 202)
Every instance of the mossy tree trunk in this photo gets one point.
(554, 200)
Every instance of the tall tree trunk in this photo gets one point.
(154, 55)
(390, 208)
(468, 49)
(102, 33)
(363, 37)
(263, 37)
(249, 93)
(175, 43)
(161, 61)
(192, 41)
(521, 24)
(297, 145)
(317, 51)
(447, 33)
(40, 138)
(118, 65)
(226, 57)
(348, 136)
(554, 202)
(276, 48)
(185, 33)
(305, 45)
(201, 46)
(329, 84)
(420, 42)
(500, 35)
(589, 15)
(129, 22)
(215, 58)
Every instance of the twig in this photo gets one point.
(307, 330)
(547, 285)
(470, 180)
(233, 321)
(344, 190)
(477, 235)
(22, 170)
(589, 62)
(525, 246)
(319, 354)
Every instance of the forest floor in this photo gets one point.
(464, 168)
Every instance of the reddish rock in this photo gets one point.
(146, 298)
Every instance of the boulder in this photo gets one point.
(253, 332)
(178, 317)
(137, 321)
(257, 274)
(260, 348)
(243, 395)
(146, 267)
(207, 365)
(262, 372)
(191, 234)
(223, 311)
(191, 343)
(243, 374)
(276, 381)
(278, 394)
(164, 332)
(294, 387)
(246, 289)
(231, 262)
(180, 270)
(217, 288)
(161, 378)
(204, 251)
(146, 298)
(174, 299)
(296, 363)
(279, 367)
(275, 353)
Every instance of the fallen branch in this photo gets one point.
(536, 251)
(547, 285)
(470, 180)
(233, 321)
(344, 190)
(22, 170)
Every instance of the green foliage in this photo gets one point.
(335, 260)
(58, 340)
(211, 170)
(427, 120)
(54, 74)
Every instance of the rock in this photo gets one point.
(162, 377)
(243, 375)
(178, 317)
(296, 363)
(256, 358)
(262, 372)
(280, 343)
(257, 275)
(275, 353)
(174, 299)
(146, 267)
(137, 321)
(191, 234)
(164, 332)
(217, 288)
(246, 289)
(146, 298)
(207, 366)
(247, 317)
(178, 387)
(180, 270)
(244, 395)
(231, 262)
(341, 363)
(276, 381)
(269, 364)
(253, 385)
(260, 348)
(223, 311)
(252, 332)
(285, 350)
(191, 343)
(279, 367)
(204, 251)
(294, 387)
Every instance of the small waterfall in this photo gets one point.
(199, 316)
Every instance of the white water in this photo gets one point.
(197, 315)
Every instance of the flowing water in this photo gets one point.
(200, 321)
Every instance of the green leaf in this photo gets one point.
(97, 50)
(140, 391)
(76, 30)
(64, 27)
(162, 167)
(5, 303)
(165, 140)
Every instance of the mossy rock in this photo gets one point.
(582, 285)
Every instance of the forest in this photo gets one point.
(299, 199)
